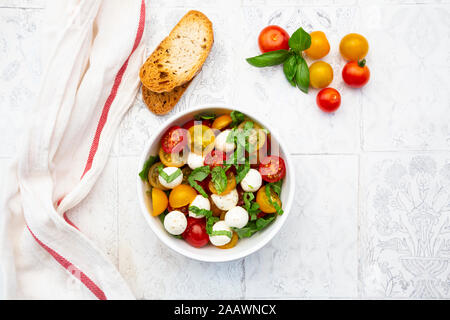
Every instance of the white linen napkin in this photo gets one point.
(92, 55)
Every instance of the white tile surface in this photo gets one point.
(354, 229)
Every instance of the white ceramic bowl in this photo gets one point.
(210, 253)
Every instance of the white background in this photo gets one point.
(371, 214)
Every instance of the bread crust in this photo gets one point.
(162, 103)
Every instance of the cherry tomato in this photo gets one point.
(222, 122)
(193, 122)
(181, 195)
(320, 74)
(319, 45)
(272, 168)
(231, 184)
(172, 159)
(356, 74)
(328, 100)
(273, 38)
(195, 233)
(353, 47)
(263, 200)
(174, 140)
(201, 139)
(153, 177)
(215, 158)
(159, 201)
(232, 243)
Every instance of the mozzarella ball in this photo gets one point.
(221, 142)
(236, 217)
(174, 183)
(226, 202)
(220, 240)
(195, 161)
(252, 181)
(175, 222)
(200, 202)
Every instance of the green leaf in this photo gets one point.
(254, 226)
(268, 190)
(302, 75)
(205, 116)
(237, 118)
(300, 41)
(268, 59)
(219, 178)
(166, 177)
(200, 212)
(290, 68)
(209, 224)
(199, 174)
(251, 207)
(147, 165)
(241, 171)
(229, 234)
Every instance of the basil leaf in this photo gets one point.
(147, 165)
(200, 212)
(241, 171)
(237, 118)
(229, 234)
(219, 178)
(302, 75)
(268, 190)
(254, 226)
(199, 174)
(205, 116)
(251, 207)
(290, 68)
(209, 224)
(268, 59)
(300, 40)
(166, 177)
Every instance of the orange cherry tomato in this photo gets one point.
(181, 195)
(201, 139)
(263, 200)
(232, 243)
(328, 100)
(172, 159)
(273, 38)
(356, 74)
(231, 184)
(353, 47)
(222, 122)
(159, 201)
(319, 45)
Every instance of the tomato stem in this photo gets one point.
(362, 63)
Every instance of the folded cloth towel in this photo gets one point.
(92, 55)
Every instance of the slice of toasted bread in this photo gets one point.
(180, 56)
(162, 103)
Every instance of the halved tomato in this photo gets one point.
(272, 168)
(181, 195)
(215, 158)
(231, 184)
(159, 201)
(222, 122)
(153, 176)
(232, 243)
(172, 159)
(174, 139)
(257, 137)
(201, 139)
(264, 202)
(194, 122)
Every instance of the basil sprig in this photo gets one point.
(237, 118)
(253, 227)
(295, 67)
(199, 174)
(251, 207)
(147, 165)
(166, 177)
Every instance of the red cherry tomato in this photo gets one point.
(272, 168)
(356, 74)
(174, 140)
(195, 233)
(328, 100)
(215, 158)
(273, 38)
(193, 122)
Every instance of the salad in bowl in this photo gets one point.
(214, 179)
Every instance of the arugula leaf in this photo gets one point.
(237, 118)
(229, 234)
(144, 173)
(290, 68)
(205, 116)
(268, 59)
(254, 226)
(251, 207)
(299, 41)
(268, 190)
(302, 75)
(166, 177)
(219, 178)
(199, 174)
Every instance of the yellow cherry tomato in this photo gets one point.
(159, 201)
(172, 159)
(257, 137)
(181, 195)
(153, 176)
(320, 74)
(222, 122)
(201, 139)
(232, 243)
(263, 200)
(231, 184)
(319, 45)
(353, 47)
